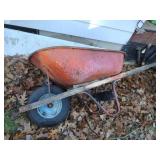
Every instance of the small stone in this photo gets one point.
(148, 137)
(65, 133)
(79, 118)
(103, 117)
(140, 91)
(28, 137)
(108, 124)
(85, 130)
(123, 99)
(108, 134)
(142, 136)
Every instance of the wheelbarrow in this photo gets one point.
(74, 71)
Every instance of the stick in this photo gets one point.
(84, 88)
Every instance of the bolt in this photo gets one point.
(50, 105)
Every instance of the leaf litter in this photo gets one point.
(137, 96)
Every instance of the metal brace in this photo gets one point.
(47, 81)
(99, 106)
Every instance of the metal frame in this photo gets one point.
(99, 106)
(84, 87)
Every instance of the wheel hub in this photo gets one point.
(50, 110)
(50, 105)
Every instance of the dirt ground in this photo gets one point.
(137, 119)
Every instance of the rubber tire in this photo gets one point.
(48, 122)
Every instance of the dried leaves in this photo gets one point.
(22, 99)
(136, 95)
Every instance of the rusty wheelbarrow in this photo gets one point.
(74, 71)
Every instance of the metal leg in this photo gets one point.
(99, 106)
(116, 98)
(48, 83)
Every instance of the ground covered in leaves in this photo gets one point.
(137, 96)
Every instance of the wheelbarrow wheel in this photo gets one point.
(49, 114)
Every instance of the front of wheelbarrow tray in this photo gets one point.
(69, 66)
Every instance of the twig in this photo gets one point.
(123, 137)
(143, 125)
(91, 127)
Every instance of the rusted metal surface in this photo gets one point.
(69, 66)
(85, 88)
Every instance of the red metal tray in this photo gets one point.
(70, 66)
